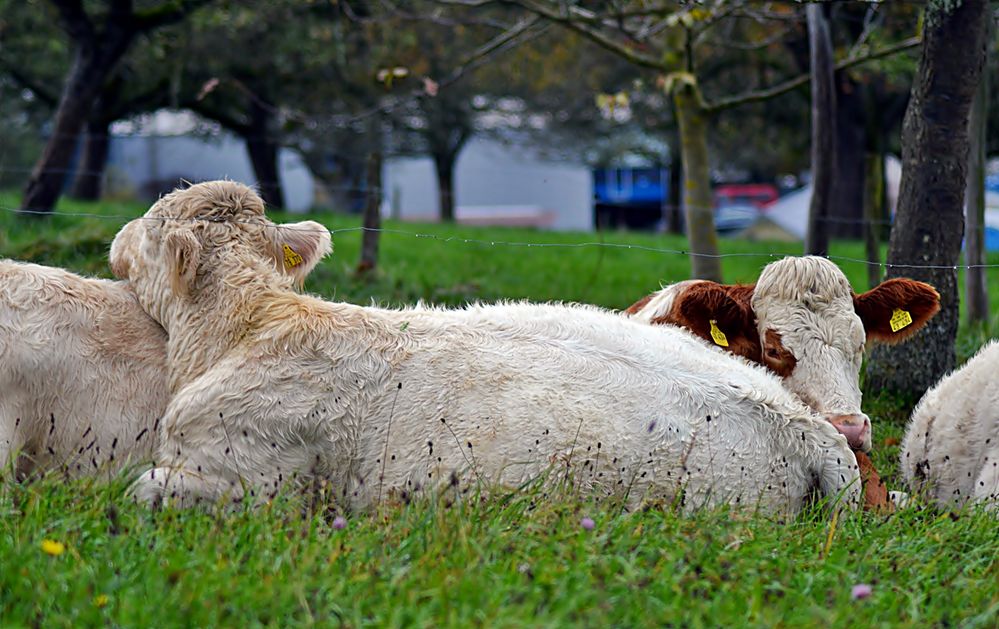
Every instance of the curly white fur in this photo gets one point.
(82, 373)
(272, 384)
(950, 453)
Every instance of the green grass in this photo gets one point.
(508, 561)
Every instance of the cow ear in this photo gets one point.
(896, 309)
(183, 252)
(713, 312)
(298, 247)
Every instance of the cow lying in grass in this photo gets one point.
(802, 321)
(950, 452)
(83, 380)
(271, 385)
(82, 373)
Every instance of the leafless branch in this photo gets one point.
(38, 88)
(755, 96)
(592, 33)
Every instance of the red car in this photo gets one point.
(760, 195)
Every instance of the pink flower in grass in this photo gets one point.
(860, 591)
(587, 523)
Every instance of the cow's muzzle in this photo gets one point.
(856, 428)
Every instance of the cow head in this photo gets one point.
(803, 321)
(171, 254)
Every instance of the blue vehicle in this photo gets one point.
(631, 198)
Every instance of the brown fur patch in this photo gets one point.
(776, 357)
(728, 306)
(875, 308)
(875, 493)
(638, 305)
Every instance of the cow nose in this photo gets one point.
(856, 428)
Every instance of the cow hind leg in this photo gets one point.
(182, 486)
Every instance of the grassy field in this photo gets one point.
(509, 561)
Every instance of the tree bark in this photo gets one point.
(823, 131)
(976, 291)
(674, 206)
(847, 196)
(444, 169)
(90, 175)
(929, 223)
(96, 53)
(263, 149)
(874, 186)
(698, 204)
(372, 219)
(81, 89)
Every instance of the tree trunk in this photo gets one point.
(697, 202)
(372, 214)
(263, 149)
(976, 292)
(823, 131)
(444, 168)
(847, 196)
(49, 174)
(90, 174)
(929, 223)
(874, 185)
(674, 207)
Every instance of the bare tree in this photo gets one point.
(823, 129)
(650, 36)
(976, 290)
(929, 223)
(97, 49)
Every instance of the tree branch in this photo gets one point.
(756, 96)
(166, 14)
(74, 21)
(37, 88)
(593, 34)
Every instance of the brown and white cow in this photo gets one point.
(802, 321)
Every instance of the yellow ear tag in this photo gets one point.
(900, 319)
(291, 258)
(717, 335)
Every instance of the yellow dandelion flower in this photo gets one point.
(101, 600)
(52, 547)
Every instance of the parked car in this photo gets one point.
(759, 195)
(735, 217)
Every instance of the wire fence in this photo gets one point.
(461, 240)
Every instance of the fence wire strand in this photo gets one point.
(509, 243)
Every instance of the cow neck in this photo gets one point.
(223, 311)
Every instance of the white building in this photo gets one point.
(494, 184)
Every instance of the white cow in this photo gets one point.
(802, 321)
(272, 384)
(83, 379)
(82, 373)
(950, 452)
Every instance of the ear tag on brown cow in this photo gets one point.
(291, 258)
(900, 319)
(717, 335)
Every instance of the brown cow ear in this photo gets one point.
(896, 309)
(709, 310)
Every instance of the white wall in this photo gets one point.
(493, 179)
(141, 159)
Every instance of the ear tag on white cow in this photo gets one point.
(900, 319)
(717, 335)
(291, 258)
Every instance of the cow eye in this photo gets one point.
(772, 353)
